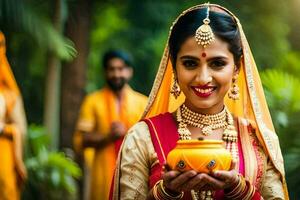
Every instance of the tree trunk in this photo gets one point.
(74, 73)
(52, 91)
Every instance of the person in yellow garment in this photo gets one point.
(105, 117)
(12, 131)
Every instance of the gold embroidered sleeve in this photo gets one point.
(137, 157)
(272, 187)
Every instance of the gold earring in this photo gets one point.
(175, 90)
(234, 92)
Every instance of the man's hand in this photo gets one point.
(117, 130)
(99, 141)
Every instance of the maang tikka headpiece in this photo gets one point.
(204, 34)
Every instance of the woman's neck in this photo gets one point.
(205, 111)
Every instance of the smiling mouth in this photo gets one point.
(203, 92)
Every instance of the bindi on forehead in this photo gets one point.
(203, 54)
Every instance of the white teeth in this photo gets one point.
(204, 90)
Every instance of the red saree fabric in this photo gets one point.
(164, 135)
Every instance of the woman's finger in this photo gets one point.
(213, 182)
(178, 182)
(170, 175)
(228, 177)
(195, 183)
(184, 177)
(223, 175)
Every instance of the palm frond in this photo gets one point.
(284, 88)
(22, 16)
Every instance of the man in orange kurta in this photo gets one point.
(105, 117)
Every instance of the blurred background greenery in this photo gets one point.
(55, 49)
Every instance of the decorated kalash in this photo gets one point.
(211, 136)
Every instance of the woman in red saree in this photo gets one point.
(215, 92)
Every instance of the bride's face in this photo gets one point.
(205, 74)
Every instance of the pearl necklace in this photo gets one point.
(207, 123)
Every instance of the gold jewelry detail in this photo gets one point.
(243, 190)
(155, 192)
(204, 195)
(223, 120)
(204, 34)
(207, 123)
(234, 92)
(159, 192)
(194, 195)
(184, 133)
(175, 90)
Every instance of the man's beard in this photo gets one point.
(116, 84)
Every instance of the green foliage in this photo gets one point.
(282, 92)
(142, 29)
(265, 25)
(30, 36)
(18, 15)
(51, 174)
(108, 21)
(289, 63)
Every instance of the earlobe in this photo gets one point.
(130, 72)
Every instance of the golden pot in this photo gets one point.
(202, 156)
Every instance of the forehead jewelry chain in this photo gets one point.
(204, 34)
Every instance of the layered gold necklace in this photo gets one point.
(207, 123)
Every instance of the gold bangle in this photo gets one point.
(250, 192)
(243, 193)
(165, 194)
(154, 191)
(238, 190)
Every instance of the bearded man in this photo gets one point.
(104, 119)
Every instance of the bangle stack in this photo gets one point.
(160, 193)
(243, 190)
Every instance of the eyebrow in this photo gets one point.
(196, 58)
(218, 58)
(189, 57)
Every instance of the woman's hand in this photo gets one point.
(191, 180)
(224, 179)
(176, 181)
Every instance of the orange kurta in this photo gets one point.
(98, 111)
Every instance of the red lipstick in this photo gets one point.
(203, 91)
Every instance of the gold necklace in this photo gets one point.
(207, 123)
